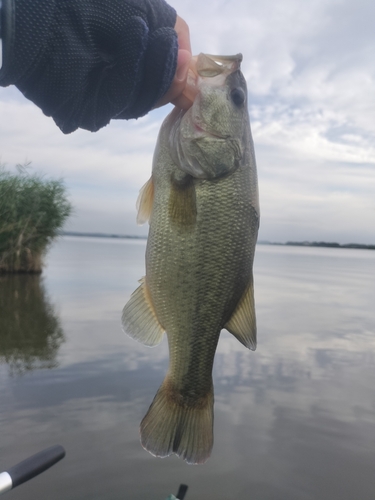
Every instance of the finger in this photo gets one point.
(182, 102)
(183, 34)
(177, 92)
(179, 81)
(183, 62)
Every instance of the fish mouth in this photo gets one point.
(208, 65)
(204, 132)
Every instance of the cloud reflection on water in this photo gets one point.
(295, 419)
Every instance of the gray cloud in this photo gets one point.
(311, 79)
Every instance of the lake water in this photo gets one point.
(294, 420)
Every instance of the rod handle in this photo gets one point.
(38, 463)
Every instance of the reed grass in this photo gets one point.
(32, 211)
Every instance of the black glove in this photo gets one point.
(84, 62)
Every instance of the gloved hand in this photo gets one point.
(86, 62)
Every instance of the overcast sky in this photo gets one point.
(310, 68)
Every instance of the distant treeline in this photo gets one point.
(101, 235)
(288, 243)
(325, 244)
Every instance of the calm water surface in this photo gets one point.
(294, 420)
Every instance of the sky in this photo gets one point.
(310, 70)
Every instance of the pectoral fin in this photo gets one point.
(242, 324)
(145, 201)
(139, 318)
(182, 202)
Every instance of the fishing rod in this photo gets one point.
(31, 467)
(38, 463)
(180, 494)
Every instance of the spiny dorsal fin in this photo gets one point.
(145, 201)
(242, 324)
(139, 318)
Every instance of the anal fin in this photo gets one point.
(139, 318)
(242, 324)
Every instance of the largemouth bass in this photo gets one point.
(203, 209)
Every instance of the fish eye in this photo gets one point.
(238, 96)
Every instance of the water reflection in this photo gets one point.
(30, 330)
(295, 420)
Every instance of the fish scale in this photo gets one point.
(202, 205)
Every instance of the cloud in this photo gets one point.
(103, 171)
(311, 78)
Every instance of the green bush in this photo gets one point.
(32, 210)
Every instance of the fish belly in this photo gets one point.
(197, 270)
(196, 274)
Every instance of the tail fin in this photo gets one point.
(172, 426)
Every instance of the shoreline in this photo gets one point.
(323, 244)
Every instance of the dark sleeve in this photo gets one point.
(84, 62)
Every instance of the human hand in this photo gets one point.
(178, 93)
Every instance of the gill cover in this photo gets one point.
(208, 140)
